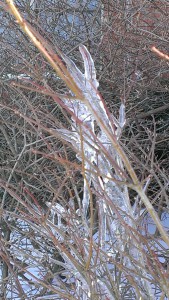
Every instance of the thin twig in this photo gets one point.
(160, 53)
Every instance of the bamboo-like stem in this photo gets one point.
(58, 66)
(152, 213)
(137, 184)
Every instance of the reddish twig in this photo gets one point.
(159, 53)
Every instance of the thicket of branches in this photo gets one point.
(81, 192)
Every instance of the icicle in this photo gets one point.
(90, 71)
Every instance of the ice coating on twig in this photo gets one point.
(83, 136)
(90, 71)
(99, 158)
